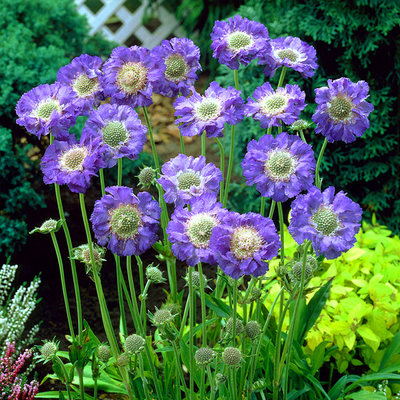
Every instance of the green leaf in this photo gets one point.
(393, 349)
(296, 394)
(365, 395)
(372, 378)
(218, 306)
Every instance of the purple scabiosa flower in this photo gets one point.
(185, 178)
(190, 231)
(290, 52)
(71, 163)
(209, 112)
(330, 221)
(239, 41)
(242, 243)
(47, 109)
(128, 224)
(280, 167)
(129, 75)
(271, 107)
(342, 112)
(120, 129)
(179, 62)
(82, 75)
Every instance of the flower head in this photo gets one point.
(47, 109)
(252, 329)
(273, 107)
(190, 231)
(119, 130)
(129, 76)
(146, 176)
(209, 113)
(48, 226)
(232, 356)
(243, 243)
(128, 224)
(72, 163)
(290, 52)
(186, 178)
(82, 75)
(179, 62)
(330, 221)
(49, 350)
(134, 344)
(280, 167)
(239, 41)
(104, 353)
(342, 112)
(204, 356)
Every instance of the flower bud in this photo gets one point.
(49, 350)
(229, 326)
(220, 378)
(296, 271)
(196, 280)
(162, 317)
(49, 226)
(300, 125)
(154, 275)
(134, 344)
(232, 356)
(204, 356)
(104, 353)
(146, 176)
(123, 360)
(252, 329)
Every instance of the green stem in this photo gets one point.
(203, 306)
(179, 367)
(184, 318)
(102, 184)
(153, 145)
(81, 384)
(246, 296)
(202, 383)
(292, 325)
(302, 136)
(191, 334)
(143, 305)
(282, 233)
(234, 310)
(203, 144)
(65, 373)
(63, 285)
(271, 209)
(119, 178)
(221, 167)
(182, 143)
(262, 207)
(282, 76)
(120, 277)
(105, 316)
(143, 378)
(233, 387)
(212, 383)
(231, 153)
(321, 153)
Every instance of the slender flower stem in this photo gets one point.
(282, 233)
(211, 379)
(292, 325)
(120, 277)
(271, 209)
(102, 184)
(231, 154)
(65, 373)
(203, 144)
(282, 76)
(182, 143)
(221, 167)
(191, 334)
(234, 310)
(253, 280)
(184, 318)
(63, 285)
(143, 297)
(321, 153)
(143, 378)
(153, 145)
(203, 306)
(262, 207)
(105, 316)
(119, 177)
(179, 367)
(302, 136)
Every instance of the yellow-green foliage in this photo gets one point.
(362, 312)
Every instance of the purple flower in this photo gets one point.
(342, 112)
(209, 112)
(179, 61)
(330, 221)
(82, 75)
(120, 129)
(72, 163)
(129, 76)
(290, 52)
(239, 40)
(127, 223)
(185, 178)
(47, 109)
(271, 107)
(280, 167)
(190, 231)
(242, 243)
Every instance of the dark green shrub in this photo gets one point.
(359, 40)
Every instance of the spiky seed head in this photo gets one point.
(49, 350)
(252, 329)
(123, 360)
(232, 356)
(134, 344)
(220, 378)
(146, 176)
(162, 317)
(172, 308)
(229, 326)
(325, 221)
(104, 353)
(154, 274)
(300, 125)
(84, 86)
(204, 356)
(115, 134)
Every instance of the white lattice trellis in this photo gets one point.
(129, 24)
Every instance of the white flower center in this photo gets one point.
(46, 108)
(72, 160)
(245, 241)
(274, 104)
(187, 179)
(132, 77)
(239, 40)
(85, 86)
(280, 165)
(290, 54)
(115, 134)
(208, 109)
(199, 229)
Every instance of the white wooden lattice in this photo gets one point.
(129, 24)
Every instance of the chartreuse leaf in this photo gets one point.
(392, 350)
(365, 395)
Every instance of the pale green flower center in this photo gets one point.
(188, 179)
(325, 221)
(132, 77)
(46, 108)
(208, 109)
(245, 241)
(239, 40)
(85, 86)
(274, 104)
(287, 53)
(340, 108)
(176, 68)
(280, 165)
(125, 221)
(72, 160)
(199, 229)
(115, 134)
